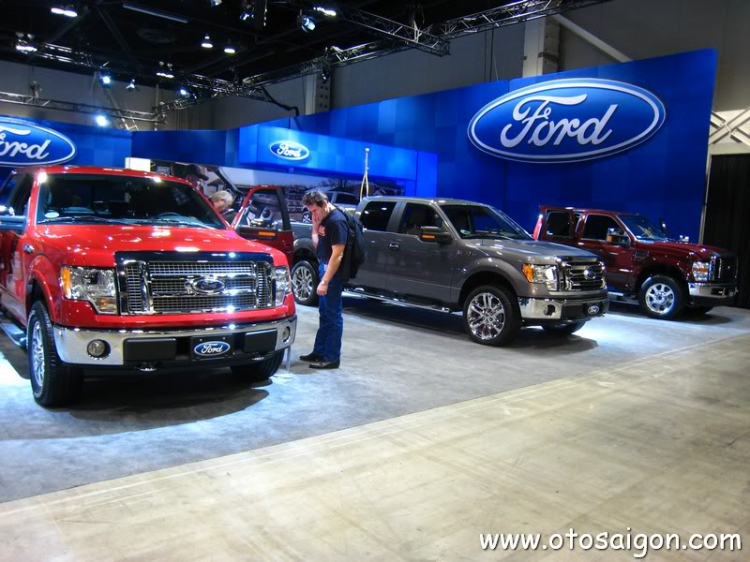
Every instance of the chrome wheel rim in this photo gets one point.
(302, 283)
(486, 316)
(660, 298)
(37, 356)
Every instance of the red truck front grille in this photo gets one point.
(182, 287)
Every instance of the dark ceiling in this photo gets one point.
(139, 38)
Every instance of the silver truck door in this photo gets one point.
(375, 218)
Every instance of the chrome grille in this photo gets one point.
(172, 287)
(583, 276)
(725, 269)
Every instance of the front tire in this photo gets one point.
(305, 283)
(491, 315)
(564, 329)
(260, 371)
(53, 382)
(661, 297)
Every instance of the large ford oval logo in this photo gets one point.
(25, 144)
(211, 348)
(289, 150)
(567, 121)
(208, 286)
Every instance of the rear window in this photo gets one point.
(377, 214)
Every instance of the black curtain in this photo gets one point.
(728, 214)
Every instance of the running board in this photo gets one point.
(16, 334)
(622, 297)
(399, 302)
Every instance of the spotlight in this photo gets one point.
(329, 12)
(101, 120)
(229, 49)
(184, 92)
(215, 3)
(67, 11)
(106, 80)
(246, 14)
(24, 47)
(163, 74)
(131, 85)
(206, 44)
(306, 22)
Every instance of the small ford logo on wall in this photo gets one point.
(26, 144)
(289, 150)
(208, 286)
(211, 348)
(567, 121)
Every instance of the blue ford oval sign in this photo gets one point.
(211, 348)
(567, 121)
(26, 144)
(289, 150)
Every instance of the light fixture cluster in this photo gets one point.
(24, 43)
(306, 19)
(206, 43)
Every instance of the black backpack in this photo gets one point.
(355, 252)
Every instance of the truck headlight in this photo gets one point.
(94, 285)
(283, 284)
(541, 274)
(701, 271)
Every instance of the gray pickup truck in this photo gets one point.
(454, 255)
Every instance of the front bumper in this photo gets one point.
(538, 310)
(244, 343)
(710, 294)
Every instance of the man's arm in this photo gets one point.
(337, 255)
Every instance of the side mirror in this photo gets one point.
(434, 234)
(617, 238)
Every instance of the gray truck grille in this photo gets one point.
(179, 287)
(582, 276)
(725, 269)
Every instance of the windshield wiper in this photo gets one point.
(84, 218)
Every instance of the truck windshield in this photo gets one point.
(101, 199)
(479, 221)
(642, 228)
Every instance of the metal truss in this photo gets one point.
(58, 105)
(507, 14)
(736, 128)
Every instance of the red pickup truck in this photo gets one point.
(643, 264)
(121, 270)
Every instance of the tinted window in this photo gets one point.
(264, 210)
(474, 221)
(19, 189)
(98, 199)
(377, 214)
(346, 199)
(416, 216)
(597, 225)
(558, 224)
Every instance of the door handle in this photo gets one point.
(394, 246)
(28, 248)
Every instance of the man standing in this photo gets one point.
(329, 233)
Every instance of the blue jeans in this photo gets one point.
(331, 329)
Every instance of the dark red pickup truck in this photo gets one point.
(643, 263)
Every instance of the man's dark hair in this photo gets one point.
(315, 197)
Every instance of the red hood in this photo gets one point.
(95, 245)
(702, 253)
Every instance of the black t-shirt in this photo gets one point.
(337, 230)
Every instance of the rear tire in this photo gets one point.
(661, 297)
(305, 283)
(564, 329)
(260, 371)
(53, 382)
(491, 315)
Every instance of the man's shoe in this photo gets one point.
(311, 357)
(325, 364)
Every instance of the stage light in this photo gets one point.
(106, 80)
(306, 22)
(184, 92)
(131, 85)
(229, 49)
(215, 3)
(24, 47)
(165, 74)
(329, 12)
(206, 44)
(101, 120)
(67, 11)
(246, 15)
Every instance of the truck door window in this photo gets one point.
(596, 227)
(558, 224)
(377, 214)
(346, 199)
(20, 194)
(264, 210)
(416, 216)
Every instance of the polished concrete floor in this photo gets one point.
(421, 442)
